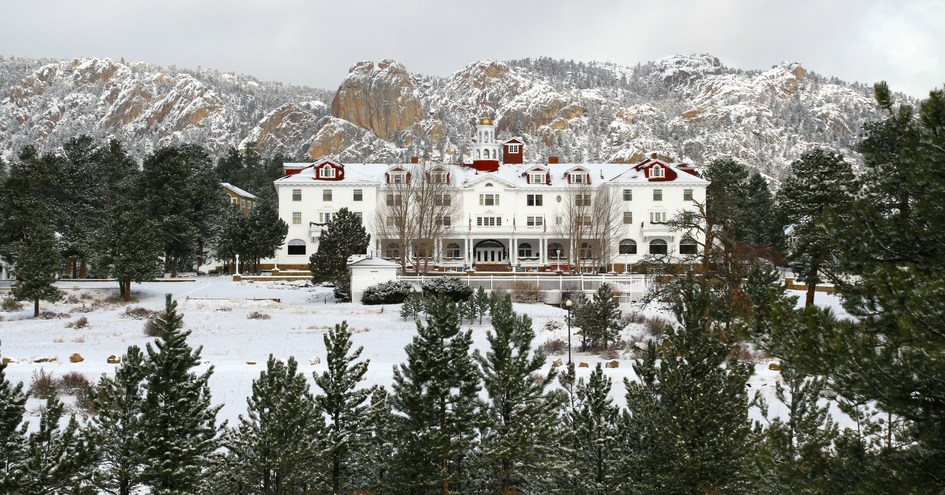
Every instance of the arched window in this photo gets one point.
(585, 251)
(392, 250)
(555, 251)
(453, 251)
(656, 172)
(688, 246)
(296, 246)
(658, 246)
(524, 250)
(494, 155)
(478, 154)
(627, 246)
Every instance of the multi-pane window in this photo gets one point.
(398, 177)
(438, 177)
(327, 172)
(524, 250)
(326, 195)
(657, 217)
(579, 178)
(513, 148)
(359, 216)
(296, 246)
(536, 178)
(534, 221)
(444, 220)
(296, 195)
(442, 200)
(453, 251)
(490, 199)
(395, 199)
(688, 246)
(656, 172)
(628, 194)
(533, 200)
(296, 218)
(658, 246)
(582, 199)
(627, 246)
(687, 194)
(657, 195)
(393, 221)
(628, 217)
(583, 220)
(488, 221)
(359, 195)
(325, 217)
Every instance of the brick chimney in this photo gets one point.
(414, 159)
(552, 159)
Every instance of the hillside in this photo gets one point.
(687, 108)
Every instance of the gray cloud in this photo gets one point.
(315, 42)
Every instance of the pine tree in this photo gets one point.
(592, 427)
(274, 449)
(482, 303)
(264, 232)
(344, 235)
(345, 406)
(37, 269)
(135, 253)
(57, 460)
(815, 201)
(690, 406)
(436, 396)
(599, 320)
(12, 432)
(518, 437)
(117, 427)
(179, 423)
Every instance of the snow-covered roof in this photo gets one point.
(514, 175)
(239, 192)
(374, 261)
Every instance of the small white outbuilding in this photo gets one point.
(369, 271)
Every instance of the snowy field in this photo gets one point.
(216, 311)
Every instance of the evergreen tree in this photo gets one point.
(12, 432)
(345, 407)
(29, 200)
(264, 232)
(815, 201)
(135, 254)
(116, 427)
(234, 235)
(482, 303)
(37, 269)
(895, 249)
(599, 320)
(436, 396)
(761, 228)
(518, 437)
(274, 448)
(592, 427)
(57, 460)
(179, 423)
(344, 235)
(795, 452)
(690, 407)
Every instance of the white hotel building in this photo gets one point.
(514, 216)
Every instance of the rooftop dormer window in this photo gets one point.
(513, 148)
(536, 178)
(657, 172)
(327, 172)
(579, 178)
(438, 177)
(398, 177)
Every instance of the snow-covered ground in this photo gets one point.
(216, 311)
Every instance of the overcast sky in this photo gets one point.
(315, 42)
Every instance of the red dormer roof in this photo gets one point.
(537, 169)
(648, 167)
(322, 170)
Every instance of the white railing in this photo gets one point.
(629, 287)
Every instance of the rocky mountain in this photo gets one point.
(686, 108)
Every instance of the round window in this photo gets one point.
(558, 198)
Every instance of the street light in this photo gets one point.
(567, 304)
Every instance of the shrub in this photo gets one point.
(139, 313)
(555, 346)
(43, 385)
(525, 292)
(393, 292)
(10, 304)
(52, 315)
(150, 328)
(256, 315)
(80, 322)
(451, 287)
(73, 382)
(656, 326)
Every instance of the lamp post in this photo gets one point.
(567, 304)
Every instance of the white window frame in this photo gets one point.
(534, 221)
(657, 172)
(327, 172)
(296, 218)
(534, 200)
(296, 195)
(357, 195)
(536, 177)
(657, 195)
(489, 199)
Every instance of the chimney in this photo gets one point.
(552, 159)
(653, 156)
(414, 159)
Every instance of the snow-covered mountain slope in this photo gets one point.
(686, 108)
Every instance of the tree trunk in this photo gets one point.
(811, 285)
(174, 268)
(36, 308)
